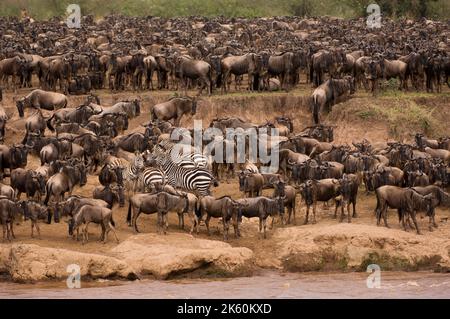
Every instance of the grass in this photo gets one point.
(45, 9)
(402, 112)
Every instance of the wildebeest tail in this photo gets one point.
(197, 209)
(211, 84)
(315, 109)
(49, 123)
(113, 222)
(47, 195)
(311, 73)
(129, 212)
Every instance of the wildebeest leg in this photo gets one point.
(134, 220)
(293, 211)
(434, 221)
(180, 220)
(413, 215)
(207, 224)
(103, 234)
(166, 222)
(349, 216)
(37, 229)
(260, 225)
(385, 217)
(226, 227)
(111, 228)
(337, 204)
(236, 227)
(354, 208)
(307, 214)
(264, 225)
(32, 228)
(342, 204)
(86, 231)
(12, 230)
(314, 212)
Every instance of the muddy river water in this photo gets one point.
(266, 285)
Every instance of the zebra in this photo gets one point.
(196, 180)
(130, 171)
(150, 178)
(192, 160)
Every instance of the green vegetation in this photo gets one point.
(45, 9)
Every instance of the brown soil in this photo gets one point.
(255, 107)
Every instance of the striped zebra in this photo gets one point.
(130, 171)
(150, 179)
(196, 180)
(192, 160)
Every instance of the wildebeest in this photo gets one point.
(313, 191)
(288, 193)
(8, 211)
(65, 181)
(440, 197)
(261, 207)
(174, 109)
(42, 99)
(7, 191)
(349, 185)
(12, 157)
(154, 203)
(35, 211)
(325, 61)
(223, 207)
(405, 200)
(3, 119)
(28, 182)
(167, 202)
(110, 194)
(251, 184)
(188, 68)
(326, 95)
(93, 214)
(11, 67)
(249, 64)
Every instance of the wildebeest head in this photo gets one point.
(351, 83)
(71, 224)
(137, 106)
(242, 177)
(21, 104)
(18, 155)
(307, 191)
(279, 188)
(38, 180)
(419, 140)
(83, 176)
(371, 70)
(194, 106)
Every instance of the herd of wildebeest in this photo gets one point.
(123, 53)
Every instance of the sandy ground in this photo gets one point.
(254, 107)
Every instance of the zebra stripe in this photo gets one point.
(192, 160)
(130, 171)
(150, 178)
(196, 179)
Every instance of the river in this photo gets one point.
(266, 285)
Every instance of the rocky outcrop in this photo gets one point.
(149, 254)
(28, 263)
(164, 256)
(353, 247)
